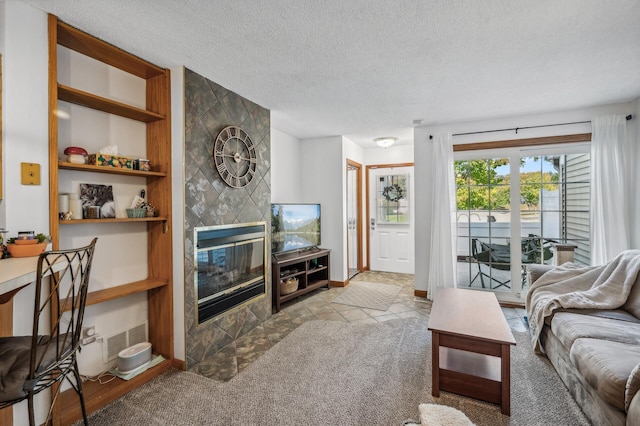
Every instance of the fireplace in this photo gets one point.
(230, 267)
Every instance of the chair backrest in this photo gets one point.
(58, 311)
(535, 249)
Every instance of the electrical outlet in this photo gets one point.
(88, 331)
(86, 340)
(88, 335)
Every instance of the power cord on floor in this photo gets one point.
(99, 378)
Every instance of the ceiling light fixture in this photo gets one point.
(385, 142)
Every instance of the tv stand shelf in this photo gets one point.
(310, 267)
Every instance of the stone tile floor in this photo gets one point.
(234, 358)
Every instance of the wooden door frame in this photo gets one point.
(369, 168)
(358, 168)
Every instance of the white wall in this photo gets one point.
(322, 182)
(23, 30)
(424, 157)
(177, 191)
(3, 219)
(315, 170)
(25, 109)
(26, 134)
(635, 128)
(286, 168)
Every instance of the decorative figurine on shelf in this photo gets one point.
(76, 155)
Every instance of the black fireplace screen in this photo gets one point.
(230, 267)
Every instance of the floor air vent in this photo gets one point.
(124, 339)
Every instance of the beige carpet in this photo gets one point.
(369, 295)
(335, 373)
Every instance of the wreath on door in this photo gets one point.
(393, 193)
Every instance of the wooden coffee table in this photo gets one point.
(471, 346)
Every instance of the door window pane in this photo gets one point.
(393, 199)
(484, 223)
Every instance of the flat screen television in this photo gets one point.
(294, 227)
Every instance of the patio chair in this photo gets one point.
(534, 249)
(497, 256)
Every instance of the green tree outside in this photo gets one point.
(479, 187)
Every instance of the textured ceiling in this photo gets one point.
(365, 69)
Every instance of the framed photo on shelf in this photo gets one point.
(99, 196)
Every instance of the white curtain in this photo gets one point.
(442, 258)
(609, 198)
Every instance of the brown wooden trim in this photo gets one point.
(6, 297)
(179, 364)
(505, 374)
(116, 292)
(516, 143)
(99, 103)
(6, 318)
(109, 170)
(82, 42)
(470, 345)
(511, 305)
(388, 166)
(420, 293)
(368, 168)
(339, 283)
(54, 230)
(358, 168)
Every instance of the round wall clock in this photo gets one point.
(235, 156)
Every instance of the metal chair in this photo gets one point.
(30, 364)
(534, 249)
(496, 256)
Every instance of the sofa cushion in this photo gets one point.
(633, 301)
(633, 386)
(605, 366)
(608, 325)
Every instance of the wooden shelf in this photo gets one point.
(114, 220)
(313, 284)
(97, 396)
(81, 42)
(318, 269)
(311, 277)
(99, 296)
(295, 274)
(89, 100)
(155, 113)
(110, 170)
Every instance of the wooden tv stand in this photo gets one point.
(310, 267)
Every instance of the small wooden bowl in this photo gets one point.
(29, 250)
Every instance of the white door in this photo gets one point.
(391, 221)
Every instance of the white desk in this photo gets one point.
(16, 272)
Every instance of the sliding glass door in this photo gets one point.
(512, 208)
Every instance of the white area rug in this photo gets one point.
(369, 295)
(442, 415)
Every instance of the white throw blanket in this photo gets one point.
(569, 286)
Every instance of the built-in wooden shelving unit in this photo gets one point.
(156, 115)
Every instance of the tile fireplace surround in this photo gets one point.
(209, 108)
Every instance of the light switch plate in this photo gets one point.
(30, 173)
